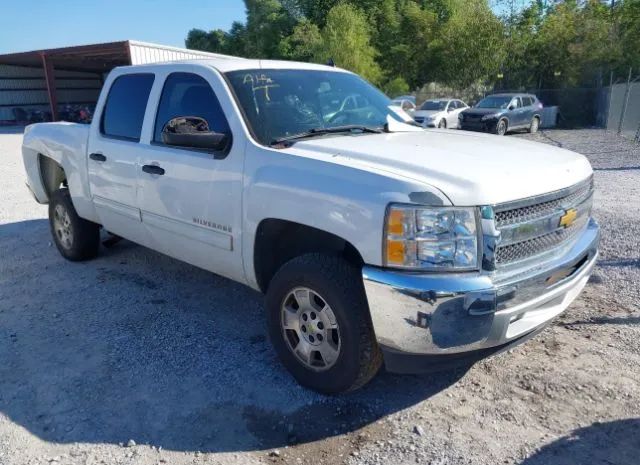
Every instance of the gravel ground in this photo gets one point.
(136, 358)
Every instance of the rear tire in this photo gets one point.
(535, 125)
(334, 286)
(76, 239)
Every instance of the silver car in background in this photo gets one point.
(439, 113)
(405, 103)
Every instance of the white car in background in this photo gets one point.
(440, 113)
(404, 103)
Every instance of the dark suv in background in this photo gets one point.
(500, 113)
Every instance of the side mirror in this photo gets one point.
(193, 132)
(511, 107)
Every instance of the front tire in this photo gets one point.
(76, 239)
(501, 127)
(319, 324)
(442, 124)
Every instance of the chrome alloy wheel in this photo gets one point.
(62, 226)
(310, 329)
(502, 127)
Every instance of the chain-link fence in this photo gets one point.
(622, 101)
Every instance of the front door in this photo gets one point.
(113, 151)
(190, 199)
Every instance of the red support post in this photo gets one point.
(51, 85)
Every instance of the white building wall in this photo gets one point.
(143, 53)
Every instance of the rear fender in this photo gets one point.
(54, 152)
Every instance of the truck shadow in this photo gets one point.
(616, 442)
(136, 345)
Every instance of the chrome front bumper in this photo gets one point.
(449, 314)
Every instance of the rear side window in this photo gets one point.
(187, 94)
(527, 101)
(126, 104)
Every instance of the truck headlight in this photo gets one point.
(431, 238)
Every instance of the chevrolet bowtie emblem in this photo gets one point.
(568, 218)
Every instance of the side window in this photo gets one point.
(453, 105)
(123, 113)
(516, 102)
(461, 104)
(527, 101)
(187, 94)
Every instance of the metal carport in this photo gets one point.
(40, 77)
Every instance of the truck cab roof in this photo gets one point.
(230, 63)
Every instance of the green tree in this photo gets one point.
(213, 41)
(304, 44)
(268, 23)
(629, 35)
(470, 45)
(396, 87)
(346, 40)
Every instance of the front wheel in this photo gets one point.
(501, 127)
(76, 239)
(442, 124)
(319, 324)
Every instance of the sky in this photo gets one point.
(32, 25)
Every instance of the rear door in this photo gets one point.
(191, 201)
(113, 151)
(452, 114)
(528, 109)
(517, 115)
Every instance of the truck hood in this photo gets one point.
(469, 168)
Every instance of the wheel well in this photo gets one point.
(51, 174)
(278, 241)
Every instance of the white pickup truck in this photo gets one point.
(374, 241)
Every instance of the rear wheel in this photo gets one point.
(76, 239)
(501, 127)
(319, 324)
(535, 125)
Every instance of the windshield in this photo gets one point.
(434, 105)
(494, 102)
(283, 103)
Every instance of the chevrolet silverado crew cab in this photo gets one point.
(375, 241)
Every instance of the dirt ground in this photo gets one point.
(135, 358)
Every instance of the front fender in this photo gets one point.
(346, 201)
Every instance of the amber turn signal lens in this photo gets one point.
(395, 223)
(395, 252)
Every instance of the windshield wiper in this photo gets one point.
(351, 128)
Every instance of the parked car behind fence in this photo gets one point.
(500, 113)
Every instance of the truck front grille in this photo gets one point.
(541, 225)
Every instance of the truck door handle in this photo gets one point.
(98, 157)
(153, 169)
